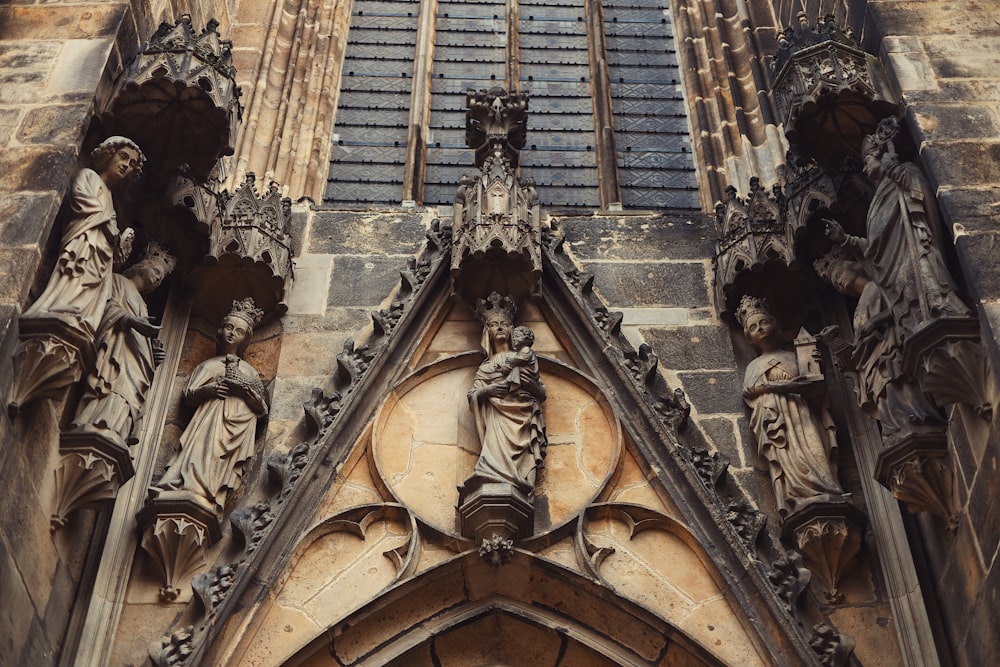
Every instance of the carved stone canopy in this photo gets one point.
(829, 92)
(755, 251)
(178, 98)
(249, 252)
(497, 228)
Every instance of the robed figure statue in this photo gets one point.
(228, 397)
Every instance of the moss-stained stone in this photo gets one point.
(691, 348)
(652, 284)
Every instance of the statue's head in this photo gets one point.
(845, 274)
(497, 316)
(759, 326)
(155, 265)
(879, 145)
(117, 159)
(237, 327)
(521, 337)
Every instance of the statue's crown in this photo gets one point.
(751, 305)
(247, 310)
(495, 305)
(155, 253)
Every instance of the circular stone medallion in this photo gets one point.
(424, 444)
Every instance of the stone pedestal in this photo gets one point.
(176, 530)
(829, 535)
(488, 509)
(916, 469)
(93, 467)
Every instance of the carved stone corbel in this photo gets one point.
(918, 473)
(45, 366)
(947, 359)
(497, 227)
(829, 536)
(91, 469)
(175, 534)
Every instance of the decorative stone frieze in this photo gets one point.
(829, 92)
(249, 251)
(178, 98)
(497, 228)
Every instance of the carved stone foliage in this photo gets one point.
(249, 252)
(831, 647)
(497, 229)
(790, 579)
(178, 97)
(829, 92)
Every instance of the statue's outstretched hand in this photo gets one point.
(834, 231)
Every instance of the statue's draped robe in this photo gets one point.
(511, 427)
(796, 440)
(883, 389)
(903, 252)
(117, 385)
(219, 440)
(80, 285)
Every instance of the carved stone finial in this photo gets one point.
(496, 550)
(497, 227)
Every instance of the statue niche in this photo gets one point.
(57, 332)
(496, 503)
(790, 416)
(95, 449)
(188, 502)
(228, 397)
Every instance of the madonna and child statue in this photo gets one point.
(497, 500)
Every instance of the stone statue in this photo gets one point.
(80, 285)
(506, 399)
(228, 397)
(903, 244)
(884, 392)
(795, 433)
(128, 351)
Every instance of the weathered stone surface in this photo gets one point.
(940, 122)
(68, 120)
(964, 56)
(78, 21)
(9, 119)
(16, 612)
(17, 268)
(25, 217)
(36, 169)
(640, 237)
(720, 391)
(962, 163)
(978, 253)
(25, 68)
(363, 281)
(975, 209)
(691, 348)
(659, 284)
(983, 501)
(365, 232)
